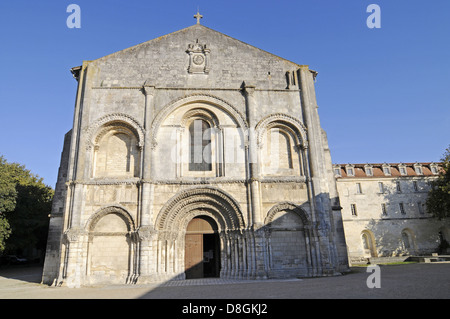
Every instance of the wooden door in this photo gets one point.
(194, 256)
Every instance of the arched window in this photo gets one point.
(200, 158)
(405, 239)
(116, 153)
(408, 241)
(368, 243)
(280, 150)
(279, 155)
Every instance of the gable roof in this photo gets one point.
(195, 26)
(166, 61)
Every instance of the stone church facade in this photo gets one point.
(194, 155)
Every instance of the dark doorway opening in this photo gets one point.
(202, 249)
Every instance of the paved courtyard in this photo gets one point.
(410, 281)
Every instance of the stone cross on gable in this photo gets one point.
(198, 16)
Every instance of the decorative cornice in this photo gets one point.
(191, 181)
(282, 179)
(109, 181)
(189, 89)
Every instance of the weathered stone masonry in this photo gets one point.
(126, 193)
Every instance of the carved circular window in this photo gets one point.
(198, 59)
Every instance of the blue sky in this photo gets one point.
(383, 94)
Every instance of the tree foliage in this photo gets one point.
(25, 203)
(438, 202)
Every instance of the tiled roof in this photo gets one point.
(377, 169)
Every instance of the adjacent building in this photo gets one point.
(383, 209)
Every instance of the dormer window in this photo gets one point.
(386, 170)
(434, 168)
(337, 170)
(369, 170)
(402, 169)
(418, 169)
(350, 170)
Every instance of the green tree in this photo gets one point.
(438, 202)
(25, 202)
(5, 231)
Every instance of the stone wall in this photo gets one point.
(388, 217)
(131, 193)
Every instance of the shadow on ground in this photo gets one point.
(27, 273)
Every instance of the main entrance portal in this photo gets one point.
(202, 248)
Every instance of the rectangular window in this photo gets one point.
(350, 172)
(418, 170)
(381, 187)
(358, 188)
(399, 189)
(353, 208)
(419, 204)
(383, 209)
(402, 170)
(402, 208)
(369, 171)
(416, 188)
(386, 171)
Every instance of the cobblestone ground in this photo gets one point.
(408, 281)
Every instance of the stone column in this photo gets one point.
(146, 164)
(145, 230)
(73, 272)
(255, 216)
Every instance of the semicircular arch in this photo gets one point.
(117, 210)
(285, 122)
(192, 202)
(286, 206)
(214, 101)
(116, 121)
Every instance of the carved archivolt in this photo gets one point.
(201, 113)
(117, 210)
(287, 206)
(285, 122)
(209, 201)
(237, 116)
(117, 121)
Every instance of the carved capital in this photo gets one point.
(148, 90)
(249, 89)
(73, 234)
(146, 233)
